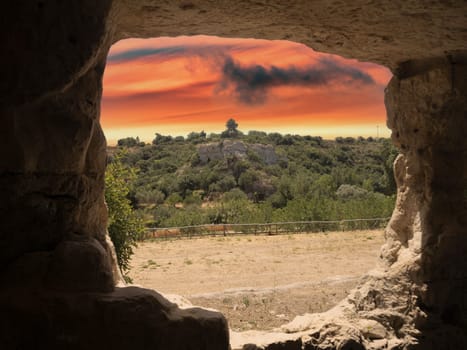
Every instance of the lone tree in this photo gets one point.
(232, 130)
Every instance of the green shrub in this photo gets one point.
(124, 226)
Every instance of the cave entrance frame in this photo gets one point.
(412, 231)
(54, 175)
(358, 222)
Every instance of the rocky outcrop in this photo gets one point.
(58, 273)
(233, 149)
(229, 149)
(266, 153)
(210, 152)
(126, 318)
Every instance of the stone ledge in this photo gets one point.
(128, 318)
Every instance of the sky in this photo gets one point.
(173, 86)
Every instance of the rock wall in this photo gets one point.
(386, 32)
(427, 234)
(52, 159)
(58, 273)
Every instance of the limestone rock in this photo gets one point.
(127, 318)
(80, 265)
(228, 149)
(377, 344)
(371, 329)
(210, 152)
(233, 149)
(266, 153)
(385, 32)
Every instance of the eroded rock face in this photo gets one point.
(386, 32)
(57, 267)
(53, 158)
(126, 318)
(266, 153)
(428, 115)
(210, 152)
(58, 271)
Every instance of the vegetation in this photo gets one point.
(311, 179)
(232, 129)
(124, 225)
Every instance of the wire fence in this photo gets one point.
(274, 228)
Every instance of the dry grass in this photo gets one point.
(259, 282)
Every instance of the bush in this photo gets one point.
(234, 195)
(130, 142)
(162, 139)
(225, 184)
(347, 192)
(313, 179)
(148, 196)
(124, 226)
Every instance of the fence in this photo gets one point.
(274, 228)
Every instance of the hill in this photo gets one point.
(258, 177)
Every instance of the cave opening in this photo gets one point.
(59, 276)
(164, 107)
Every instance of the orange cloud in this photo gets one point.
(175, 84)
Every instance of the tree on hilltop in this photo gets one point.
(232, 129)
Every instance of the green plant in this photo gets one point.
(124, 225)
(151, 264)
(246, 301)
(231, 130)
(312, 179)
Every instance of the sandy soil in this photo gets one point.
(259, 282)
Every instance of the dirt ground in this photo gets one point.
(259, 282)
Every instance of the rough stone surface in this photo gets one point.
(371, 329)
(80, 265)
(235, 149)
(210, 152)
(265, 152)
(387, 32)
(58, 269)
(127, 318)
(52, 158)
(228, 149)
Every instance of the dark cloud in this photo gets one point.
(208, 52)
(251, 84)
(129, 55)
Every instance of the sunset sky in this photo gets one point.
(173, 86)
